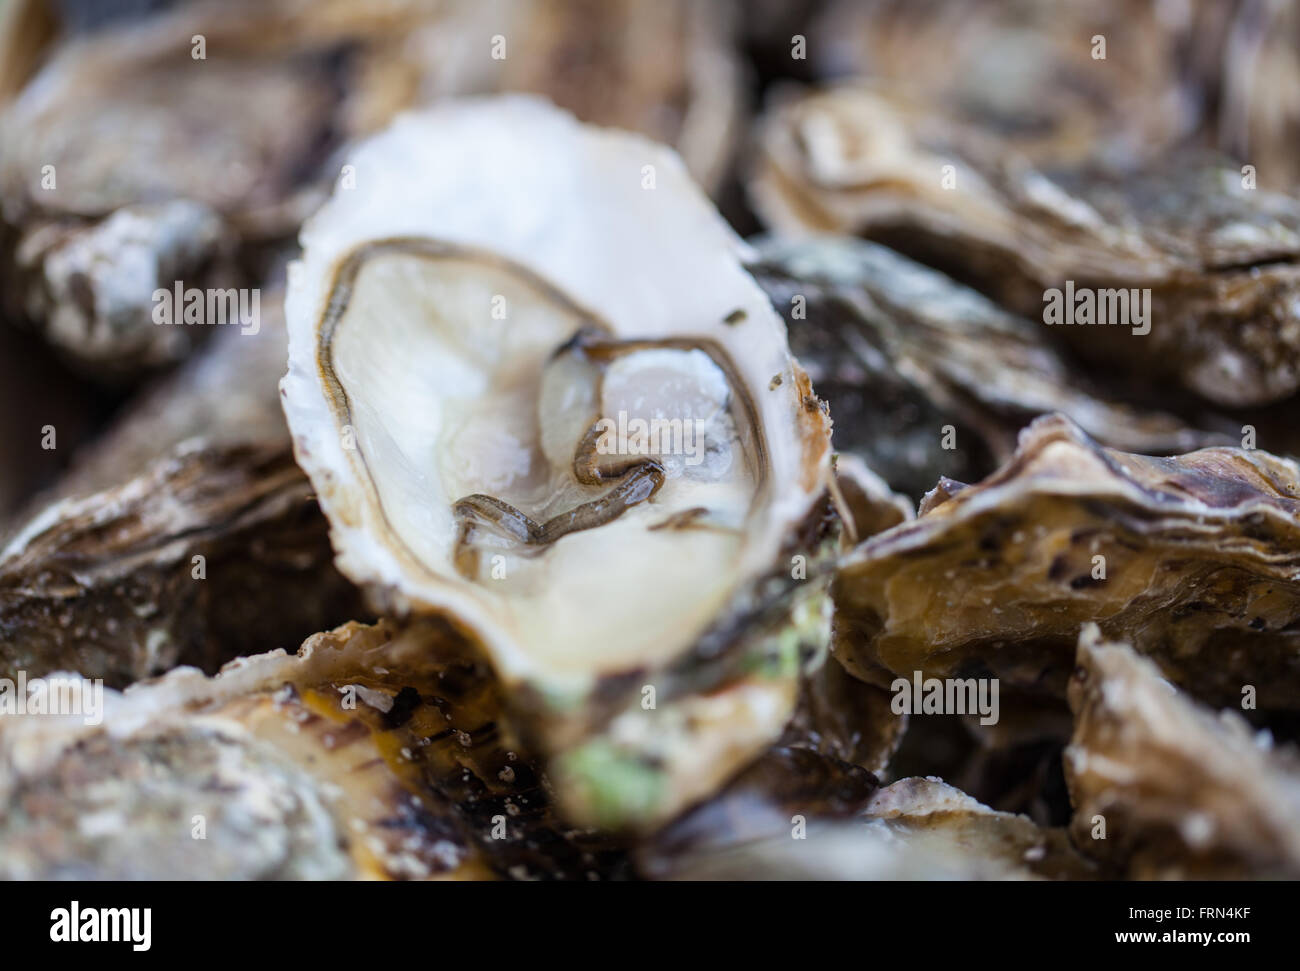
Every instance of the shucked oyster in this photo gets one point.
(1194, 272)
(1194, 559)
(537, 393)
(1164, 787)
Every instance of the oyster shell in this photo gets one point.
(901, 351)
(843, 718)
(1192, 559)
(253, 129)
(458, 328)
(1219, 259)
(796, 815)
(374, 752)
(184, 535)
(1025, 69)
(207, 552)
(95, 225)
(1259, 112)
(1167, 788)
(668, 70)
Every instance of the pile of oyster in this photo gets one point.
(948, 526)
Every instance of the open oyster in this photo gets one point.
(538, 394)
(1168, 789)
(1193, 559)
(1200, 268)
(373, 752)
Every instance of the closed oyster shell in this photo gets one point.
(422, 415)
(668, 70)
(207, 552)
(843, 718)
(253, 126)
(1167, 788)
(375, 752)
(1219, 259)
(94, 223)
(1192, 559)
(1259, 114)
(795, 815)
(184, 534)
(901, 352)
(1027, 70)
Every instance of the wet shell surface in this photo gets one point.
(537, 393)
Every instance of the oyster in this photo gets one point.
(1259, 111)
(866, 504)
(1027, 71)
(475, 361)
(94, 226)
(1202, 266)
(902, 352)
(843, 718)
(668, 70)
(796, 815)
(374, 752)
(185, 535)
(1167, 788)
(207, 552)
(1193, 559)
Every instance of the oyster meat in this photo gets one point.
(493, 340)
(1192, 559)
(1166, 788)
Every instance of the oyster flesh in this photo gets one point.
(538, 394)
